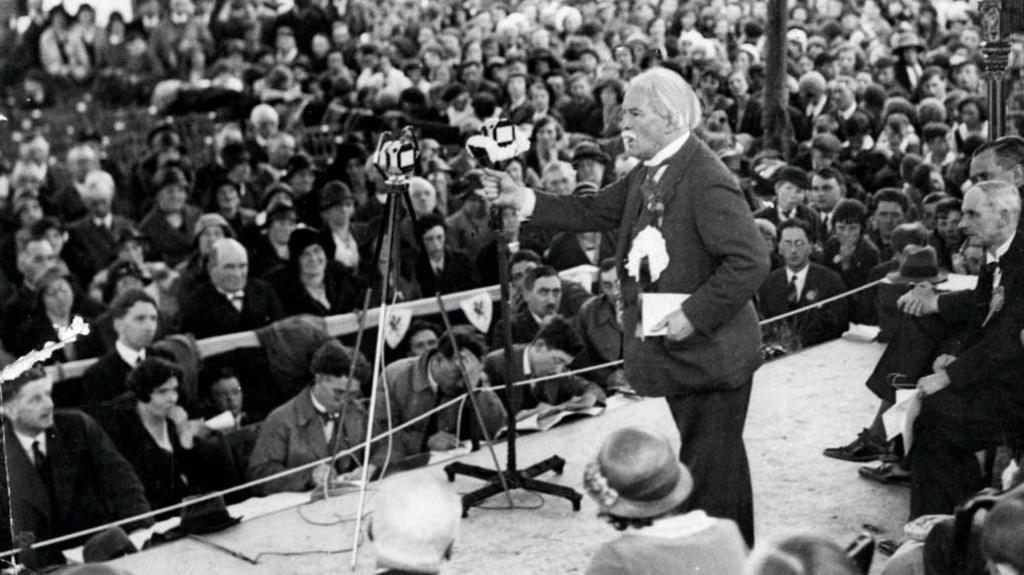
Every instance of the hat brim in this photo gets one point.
(632, 508)
(224, 523)
(897, 278)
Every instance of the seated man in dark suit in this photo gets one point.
(320, 421)
(59, 472)
(848, 251)
(442, 269)
(552, 349)
(542, 296)
(521, 262)
(421, 383)
(962, 349)
(98, 232)
(230, 302)
(599, 324)
(800, 283)
(135, 322)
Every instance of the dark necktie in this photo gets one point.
(990, 277)
(794, 293)
(39, 457)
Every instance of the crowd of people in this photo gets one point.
(883, 140)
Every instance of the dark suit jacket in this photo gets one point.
(989, 352)
(293, 435)
(97, 242)
(566, 252)
(552, 391)
(602, 337)
(209, 313)
(93, 484)
(411, 395)
(814, 326)
(105, 379)
(716, 255)
(865, 257)
(524, 327)
(458, 274)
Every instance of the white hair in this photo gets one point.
(670, 97)
(99, 185)
(415, 523)
(263, 112)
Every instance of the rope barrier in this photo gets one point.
(460, 398)
(291, 471)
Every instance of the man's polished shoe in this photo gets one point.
(864, 448)
(886, 474)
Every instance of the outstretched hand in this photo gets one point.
(501, 190)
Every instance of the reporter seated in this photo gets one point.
(552, 349)
(416, 385)
(173, 456)
(323, 419)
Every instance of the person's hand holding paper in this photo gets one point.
(662, 314)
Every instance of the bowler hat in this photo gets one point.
(637, 474)
(206, 516)
(920, 264)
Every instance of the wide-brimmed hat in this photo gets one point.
(206, 516)
(906, 39)
(637, 474)
(302, 237)
(920, 264)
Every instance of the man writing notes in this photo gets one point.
(696, 237)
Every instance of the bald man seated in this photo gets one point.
(231, 301)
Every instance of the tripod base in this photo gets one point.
(515, 480)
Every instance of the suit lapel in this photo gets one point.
(314, 429)
(23, 477)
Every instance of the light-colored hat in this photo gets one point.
(637, 474)
(415, 523)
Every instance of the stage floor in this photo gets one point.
(801, 404)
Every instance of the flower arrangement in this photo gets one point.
(597, 486)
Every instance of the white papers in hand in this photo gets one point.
(654, 307)
(899, 419)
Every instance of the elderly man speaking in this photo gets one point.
(683, 229)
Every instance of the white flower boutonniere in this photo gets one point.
(650, 244)
(812, 295)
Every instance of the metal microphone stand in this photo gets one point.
(504, 223)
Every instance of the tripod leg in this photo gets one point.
(552, 489)
(459, 468)
(553, 463)
(475, 497)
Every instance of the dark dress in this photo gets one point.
(168, 476)
(341, 286)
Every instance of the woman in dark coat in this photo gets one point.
(313, 282)
(173, 457)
